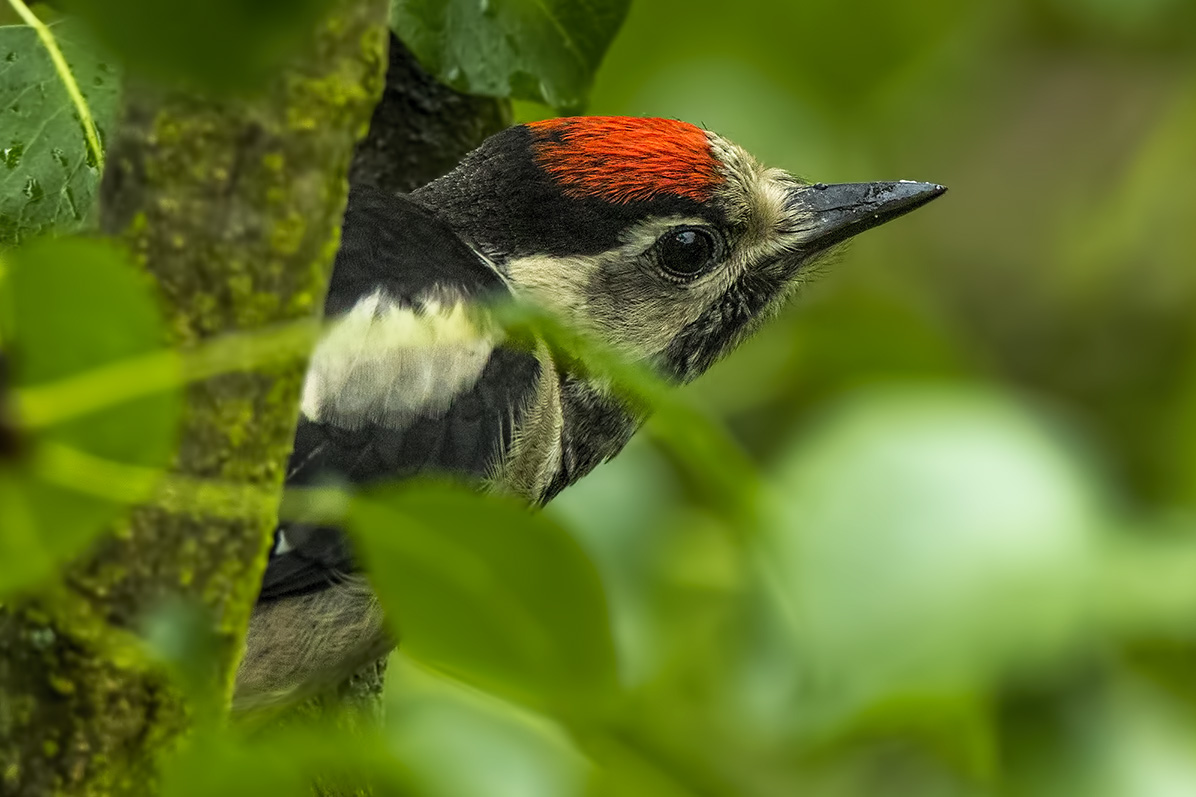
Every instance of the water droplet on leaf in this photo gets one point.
(59, 156)
(10, 57)
(33, 189)
(12, 155)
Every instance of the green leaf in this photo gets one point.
(215, 766)
(68, 306)
(456, 738)
(181, 634)
(49, 177)
(228, 762)
(541, 50)
(217, 44)
(485, 590)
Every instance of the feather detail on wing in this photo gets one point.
(388, 363)
(410, 379)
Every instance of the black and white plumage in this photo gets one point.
(667, 242)
(407, 381)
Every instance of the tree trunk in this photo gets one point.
(233, 206)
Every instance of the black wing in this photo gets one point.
(395, 246)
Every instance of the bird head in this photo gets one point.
(666, 241)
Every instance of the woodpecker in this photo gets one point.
(667, 242)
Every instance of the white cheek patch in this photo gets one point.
(389, 364)
(760, 199)
(781, 224)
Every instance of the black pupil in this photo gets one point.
(685, 251)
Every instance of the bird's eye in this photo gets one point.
(685, 252)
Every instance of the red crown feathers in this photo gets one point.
(625, 159)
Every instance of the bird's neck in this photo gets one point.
(569, 426)
(597, 424)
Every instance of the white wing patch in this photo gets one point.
(282, 546)
(388, 363)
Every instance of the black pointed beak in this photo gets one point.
(838, 212)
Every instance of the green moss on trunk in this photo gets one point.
(233, 205)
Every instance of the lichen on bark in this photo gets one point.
(233, 206)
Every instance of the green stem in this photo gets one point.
(86, 473)
(68, 79)
(73, 396)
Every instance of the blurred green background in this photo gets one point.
(970, 566)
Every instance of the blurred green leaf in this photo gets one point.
(1143, 745)
(182, 635)
(1119, 737)
(622, 514)
(461, 742)
(1146, 588)
(547, 50)
(485, 590)
(218, 44)
(224, 761)
(933, 539)
(49, 178)
(623, 772)
(233, 770)
(68, 306)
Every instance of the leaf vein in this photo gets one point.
(66, 76)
